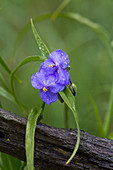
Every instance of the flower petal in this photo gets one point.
(55, 87)
(60, 58)
(52, 85)
(48, 66)
(63, 76)
(37, 80)
(48, 97)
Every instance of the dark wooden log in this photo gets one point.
(53, 146)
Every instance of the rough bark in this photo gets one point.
(53, 146)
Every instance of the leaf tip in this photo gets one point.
(31, 20)
(66, 163)
(69, 160)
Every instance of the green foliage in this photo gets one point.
(23, 31)
(108, 118)
(8, 162)
(35, 114)
(104, 128)
(70, 101)
(23, 62)
(60, 8)
(5, 66)
(42, 47)
(7, 95)
(97, 28)
(3, 82)
(91, 65)
(30, 133)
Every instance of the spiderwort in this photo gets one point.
(52, 76)
(47, 86)
(56, 64)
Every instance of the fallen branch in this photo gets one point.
(53, 146)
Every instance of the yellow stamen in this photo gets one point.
(44, 89)
(50, 65)
(58, 71)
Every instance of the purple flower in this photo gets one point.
(52, 76)
(56, 64)
(48, 87)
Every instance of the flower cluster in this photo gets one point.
(52, 76)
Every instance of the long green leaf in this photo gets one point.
(42, 47)
(9, 96)
(78, 138)
(108, 118)
(4, 93)
(8, 162)
(97, 28)
(99, 122)
(24, 61)
(69, 100)
(25, 29)
(5, 66)
(70, 97)
(3, 82)
(60, 8)
(30, 133)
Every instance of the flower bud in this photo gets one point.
(73, 89)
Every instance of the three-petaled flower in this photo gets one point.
(52, 76)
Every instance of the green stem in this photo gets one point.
(78, 139)
(66, 115)
(41, 114)
(60, 8)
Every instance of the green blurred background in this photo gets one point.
(91, 65)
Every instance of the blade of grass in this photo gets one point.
(108, 118)
(60, 8)
(24, 61)
(111, 136)
(78, 139)
(99, 123)
(4, 93)
(9, 163)
(3, 82)
(25, 29)
(5, 66)
(97, 28)
(41, 45)
(70, 101)
(30, 133)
